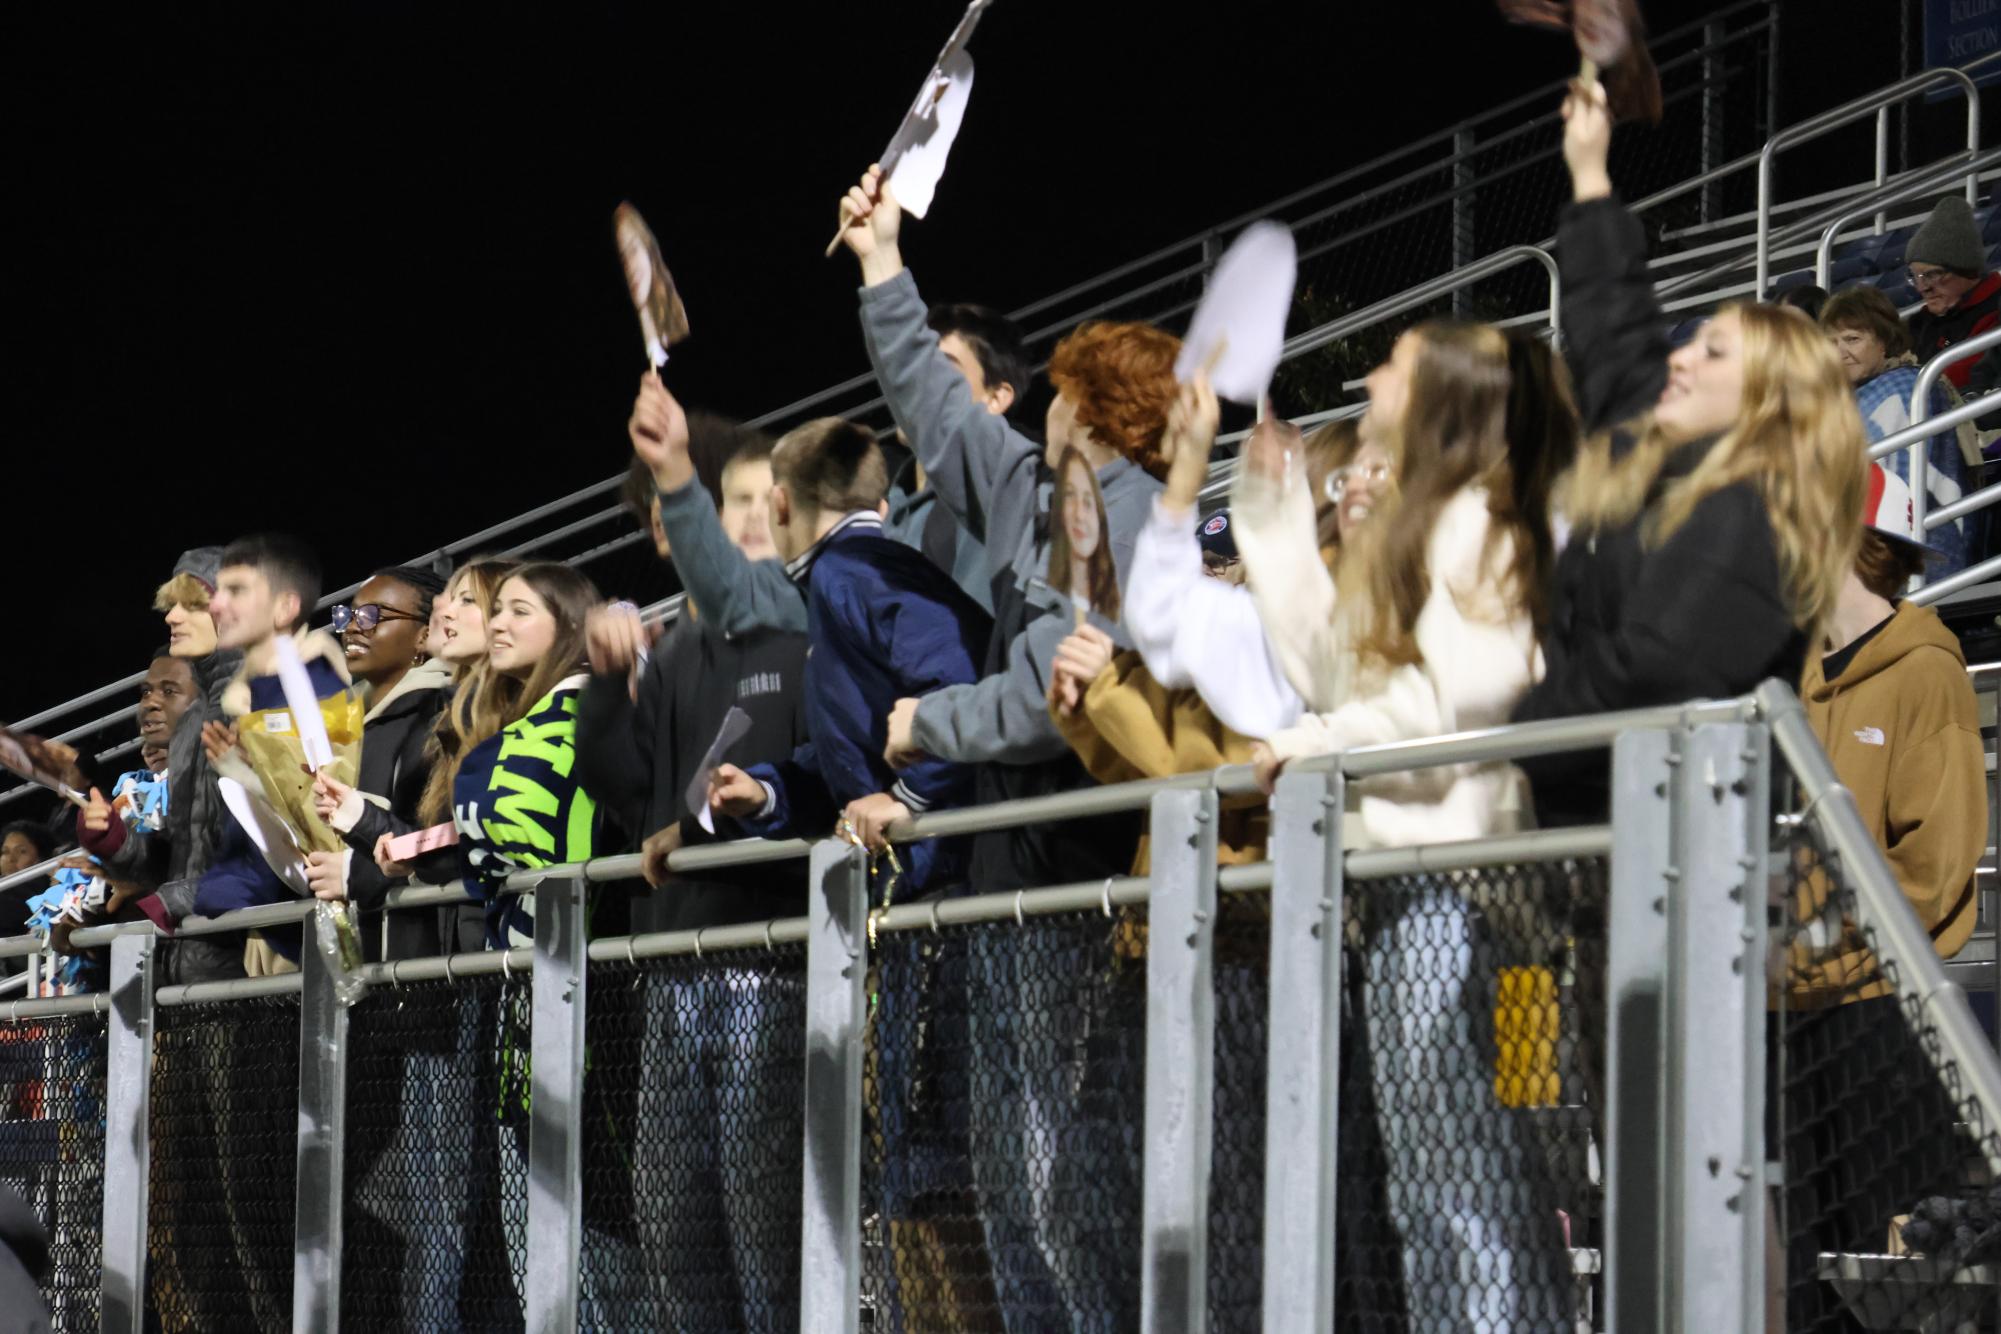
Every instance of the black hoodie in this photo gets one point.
(394, 735)
(637, 758)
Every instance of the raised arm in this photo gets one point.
(1294, 593)
(736, 593)
(1613, 328)
(968, 454)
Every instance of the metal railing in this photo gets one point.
(1924, 183)
(1682, 1231)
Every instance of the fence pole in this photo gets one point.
(1715, 1184)
(1463, 234)
(555, 1121)
(128, 1087)
(1642, 878)
(1304, 1050)
(836, 1006)
(316, 1246)
(1715, 67)
(1180, 1055)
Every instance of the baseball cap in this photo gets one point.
(1889, 509)
(1218, 539)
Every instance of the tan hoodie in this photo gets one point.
(1903, 730)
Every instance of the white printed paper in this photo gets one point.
(915, 158)
(280, 851)
(735, 724)
(304, 703)
(1240, 325)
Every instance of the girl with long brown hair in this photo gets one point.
(515, 798)
(1428, 626)
(1714, 510)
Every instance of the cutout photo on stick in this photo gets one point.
(662, 319)
(1080, 552)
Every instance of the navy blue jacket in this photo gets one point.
(882, 623)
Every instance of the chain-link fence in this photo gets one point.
(1003, 1101)
(694, 1131)
(1476, 1049)
(225, 1122)
(436, 1198)
(52, 1151)
(1242, 977)
(1887, 1215)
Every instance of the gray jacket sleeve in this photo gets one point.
(735, 593)
(969, 455)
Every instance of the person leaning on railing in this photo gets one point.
(1887, 694)
(1713, 507)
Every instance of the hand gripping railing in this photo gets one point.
(1848, 113)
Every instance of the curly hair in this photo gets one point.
(1120, 377)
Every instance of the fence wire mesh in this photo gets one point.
(436, 1197)
(1473, 997)
(1888, 1212)
(1242, 988)
(52, 1151)
(694, 1138)
(1003, 1097)
(225, 1118)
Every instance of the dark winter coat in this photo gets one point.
(1702, 615)
(394, 767)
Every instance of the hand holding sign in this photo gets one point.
(914, 162)
(1238, 333)
(1611, 37)
(663, 321)
(24, 753)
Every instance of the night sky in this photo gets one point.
(348, 269)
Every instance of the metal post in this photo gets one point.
(1463, 238)
(555, 1122)
(1302, 1090)
(128, 1087)
(1635, 999)
(1714, 73)
(1180, 1056)
(836, 1006)
(1882, 162)
(316, 1246)
(1715, 1182)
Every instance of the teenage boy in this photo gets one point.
(641, 743)
(266, 588)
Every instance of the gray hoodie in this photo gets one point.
(989, 475)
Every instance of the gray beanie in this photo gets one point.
(204, 563)
(1950, 238)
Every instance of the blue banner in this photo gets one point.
(1958, 31)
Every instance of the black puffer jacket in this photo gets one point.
(196, 819)
(394, 735)
(1702, 615)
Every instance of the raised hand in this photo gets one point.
(1187, 442)
(615, 638)
(1270, 449)
(97, 813)
(1587, 140)
(659, 433)
(734, 793)
(871, 224)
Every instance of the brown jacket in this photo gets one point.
(1131, 727)
(1903, 730)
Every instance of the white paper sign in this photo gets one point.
(916, 156)
(1241, 321)
(735, 724)
(270, 835)
(304, 703)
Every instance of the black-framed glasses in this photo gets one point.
(367, 616)
(1336, 485)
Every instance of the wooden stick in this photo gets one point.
(847, 219)
(1082, 614)
(1587, 73)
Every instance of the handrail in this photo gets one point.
(1848, 113)
(1823, 259)
(1920, 412)
(1425, 292)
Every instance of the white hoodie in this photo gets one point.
(1478, 654)
(1192, 630)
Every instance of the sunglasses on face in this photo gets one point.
(367, 616)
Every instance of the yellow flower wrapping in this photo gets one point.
(273, 748)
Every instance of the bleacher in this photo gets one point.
(1213, 1164)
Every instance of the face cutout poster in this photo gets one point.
(1080, 548)
(662, 319)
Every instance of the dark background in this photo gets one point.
(348, 270)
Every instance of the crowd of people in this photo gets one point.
(990, 607)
